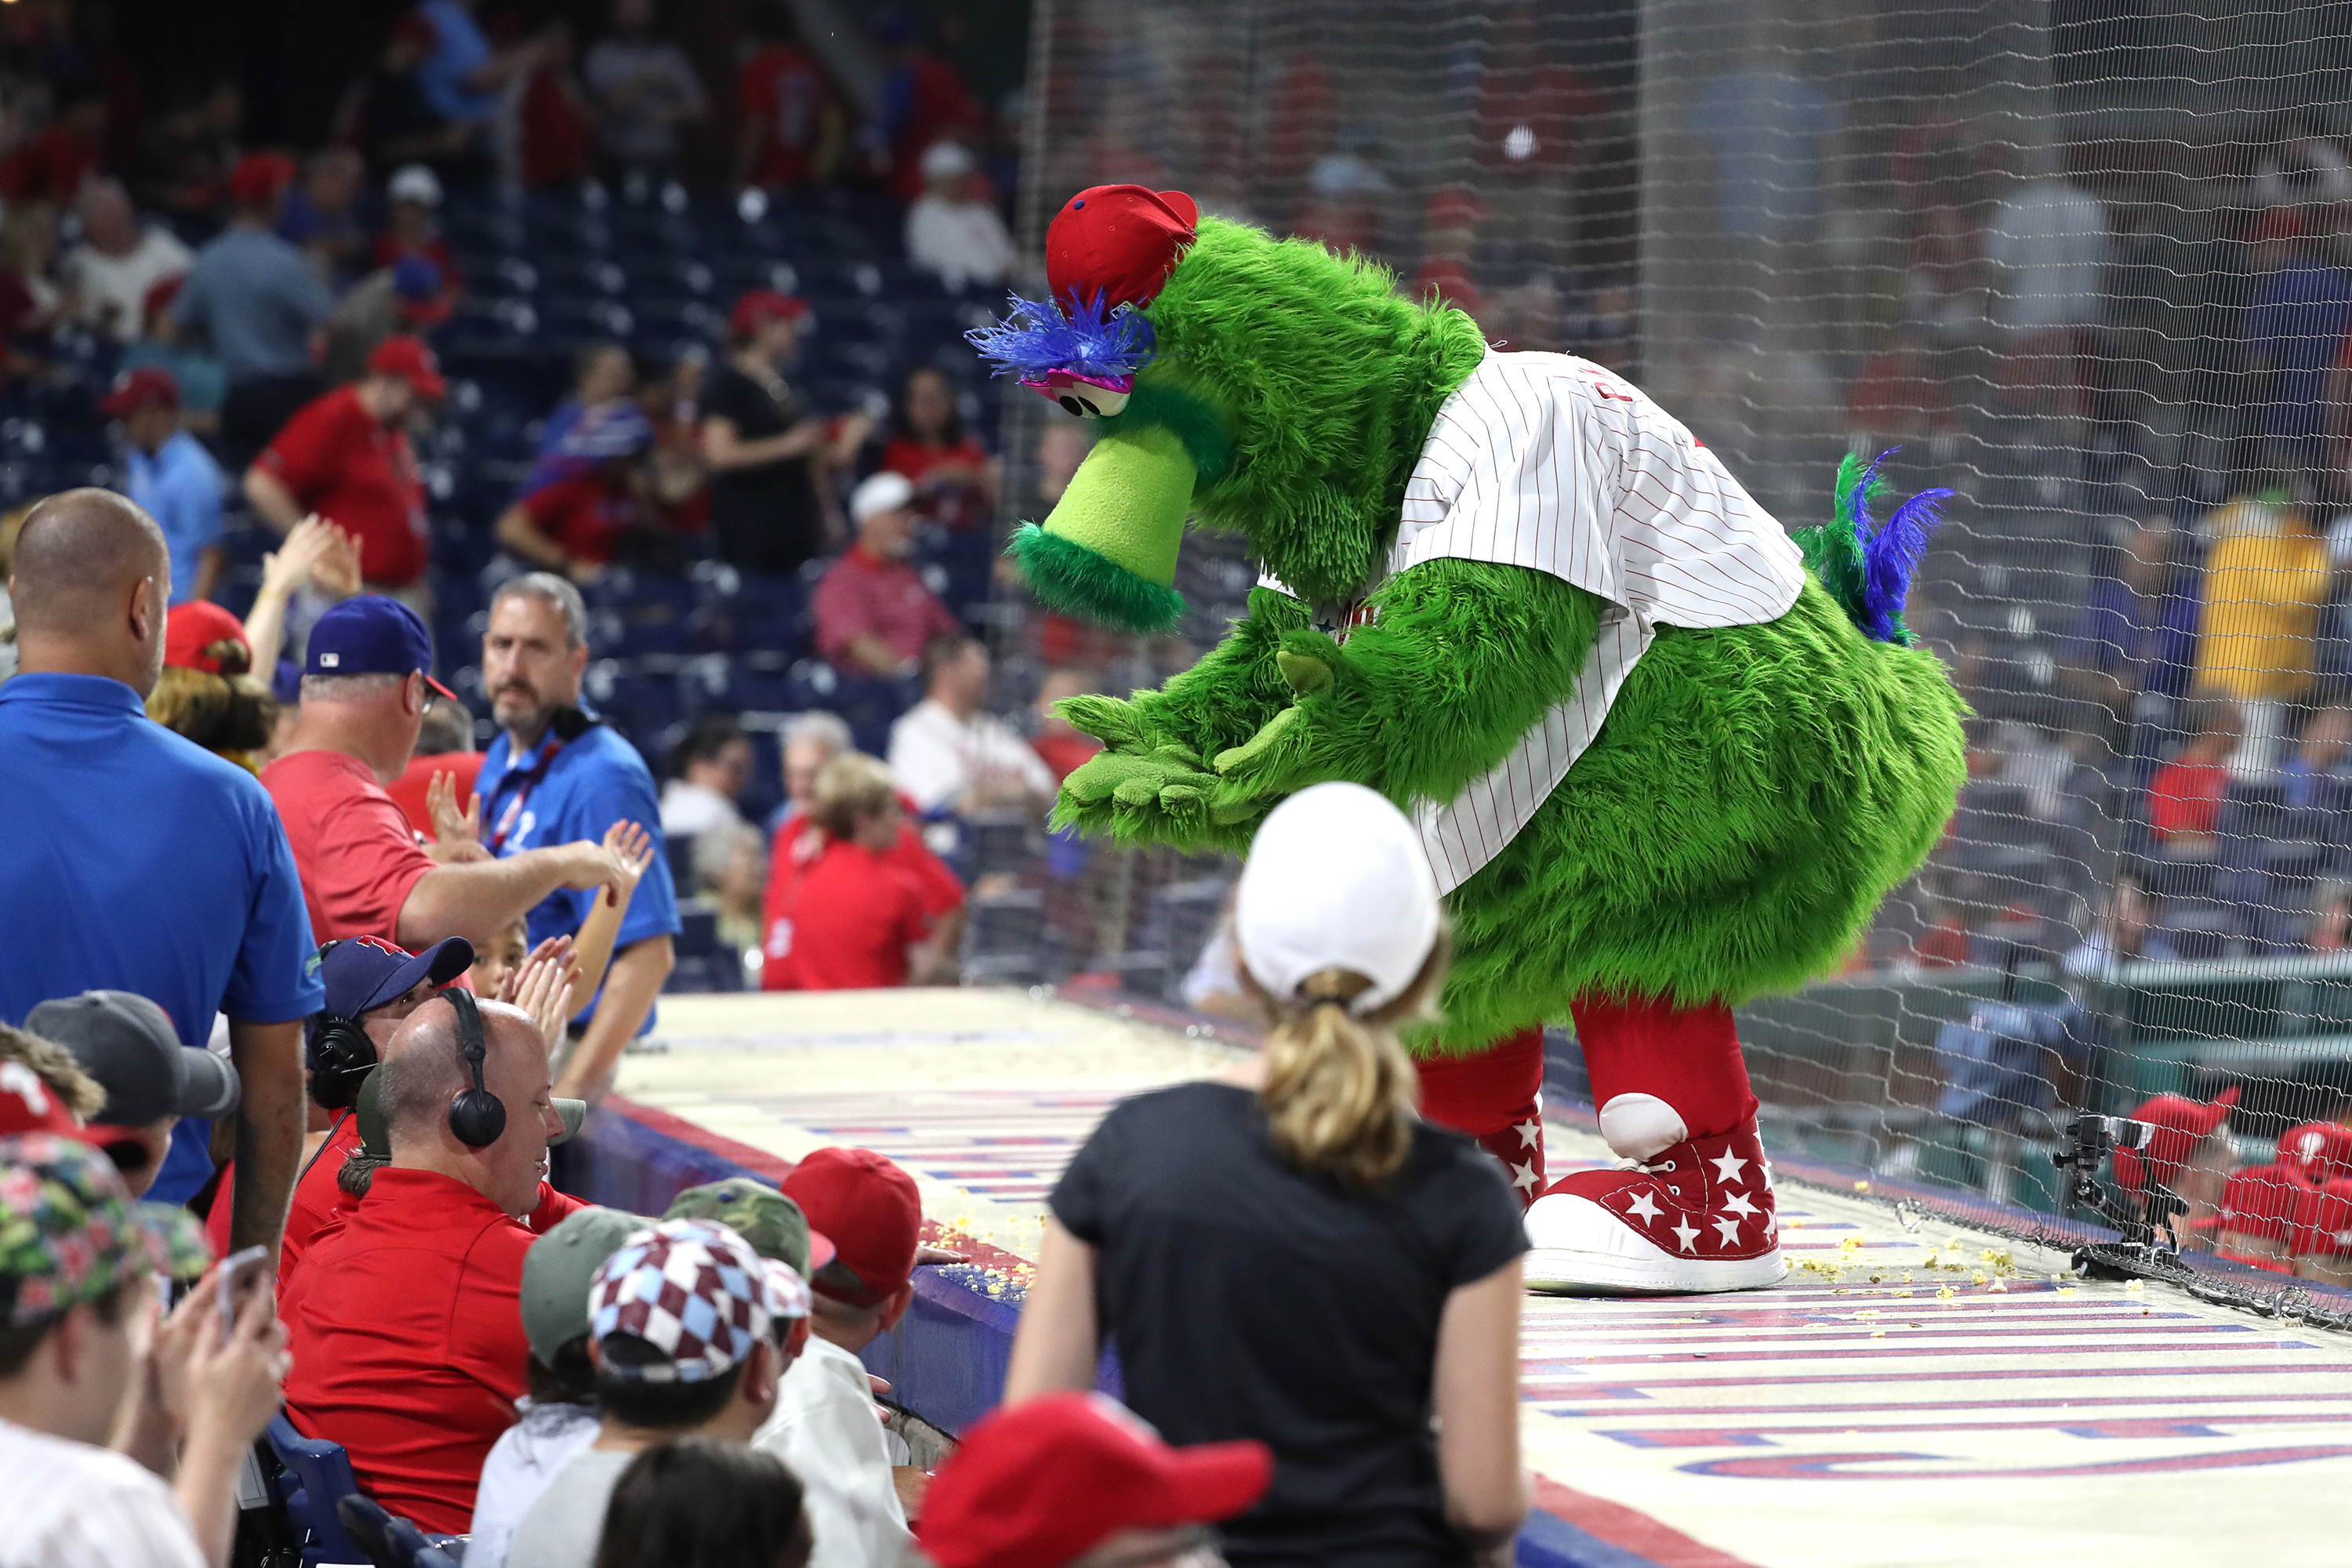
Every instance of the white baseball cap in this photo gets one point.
(945, 160)
(885, 491)
(1336, 880)
(414, 183)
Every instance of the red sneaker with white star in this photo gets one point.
(1696, 1216)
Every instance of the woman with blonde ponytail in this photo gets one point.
(1287, 1252)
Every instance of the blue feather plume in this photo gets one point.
(1889, 557)
(1037, 336)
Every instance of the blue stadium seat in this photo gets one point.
(314, 1477)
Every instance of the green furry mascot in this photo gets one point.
(1663, 756)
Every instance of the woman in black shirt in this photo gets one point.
(764, 447)
(1288, 1253)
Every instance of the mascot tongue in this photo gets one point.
(1109, 550)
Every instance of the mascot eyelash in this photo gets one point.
(1086, 360)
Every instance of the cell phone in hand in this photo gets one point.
(241, 1274)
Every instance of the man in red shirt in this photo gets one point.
(792, 131)
(363, 872)
(851, 918)
(873, 613)
(406, 1325)
(345, 457)
(2184, 799)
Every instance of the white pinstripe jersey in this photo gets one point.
(1550, 462)
(69, 1505)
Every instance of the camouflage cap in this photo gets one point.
(69, 1231)
(771, 1222)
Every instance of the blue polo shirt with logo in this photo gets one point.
(562, 791)
(136, 860)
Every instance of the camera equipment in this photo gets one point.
(2089, 1141)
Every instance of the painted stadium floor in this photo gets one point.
(1908, 1396)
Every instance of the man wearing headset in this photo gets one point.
(371, 985)
(406, 1321)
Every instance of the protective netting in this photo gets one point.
(2088, 263)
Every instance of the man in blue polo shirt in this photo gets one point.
(168, 473)
(138, 861)
(555, 774)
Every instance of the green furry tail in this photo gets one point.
(1068, 575)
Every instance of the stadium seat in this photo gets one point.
(314, 1477)
(368, 1525)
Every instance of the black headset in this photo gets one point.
(476, 1116)
(338, 1052)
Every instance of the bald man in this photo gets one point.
(137, 861)
(407, 1325)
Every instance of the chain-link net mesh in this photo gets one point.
(2088, 264)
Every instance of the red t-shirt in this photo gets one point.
(843, 923)
(799, 845)
(585, 515)
(1065, 754)
(862, 596)
(784, 95)
(406, 1332)
(389, 250)
(2186, 797)
(353, 471)
(354, 851)
(316, 1200)
(407, 791)
(557, 143)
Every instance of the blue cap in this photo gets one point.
(365, 973)
(369, 634)
(415, 278)
(286, 684)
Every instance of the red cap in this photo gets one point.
(2319, 1152)
(760, 306)
(1119, 242)
(150, 386)
(2325, 1227)
(2181, 1124)
(193, 627)
(409, 359)
(28, 1105)
(874, 1215)
(2261, 1200)
(260, 178)
(1045, 1483)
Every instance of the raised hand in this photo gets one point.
(542, 986)
(452, 826)
(632, 848)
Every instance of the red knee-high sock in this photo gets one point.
(1686, 1057)
(1495, 1095)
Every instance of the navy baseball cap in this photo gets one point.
(369, 634)
(366, 972)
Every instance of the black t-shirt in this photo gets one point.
(1250, 1300)
(762, 519)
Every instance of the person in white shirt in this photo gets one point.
(948, 754)
(118, 261)
(658, 1378)
(81, 1358)
(952, 228)
(858, 1491)
(709, 768)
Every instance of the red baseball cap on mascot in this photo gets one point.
(1118, 241)
(2180, 1125)
(2317, 1151)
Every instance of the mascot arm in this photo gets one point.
(1151, 782)
(1462, 657)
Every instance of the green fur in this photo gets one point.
(1328, 381)
(1165, 403)
(1752, 794)
(1068, 574)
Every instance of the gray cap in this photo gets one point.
(126, 1042)
(557, 1268)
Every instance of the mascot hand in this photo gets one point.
(1109, 720)
(1136, 795)
(1280, 759)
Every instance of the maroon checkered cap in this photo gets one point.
(693, 1292)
